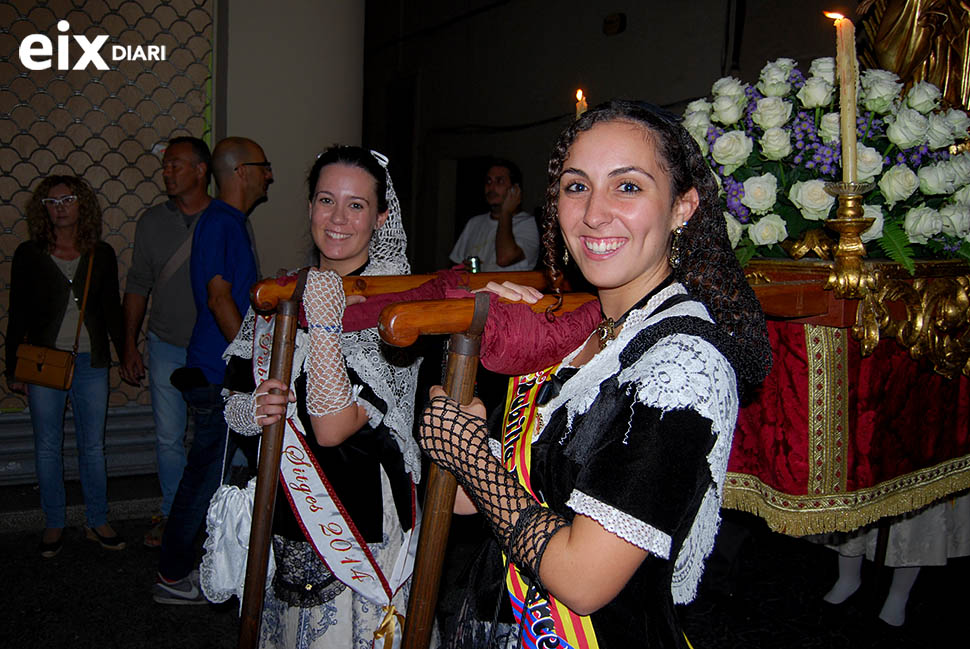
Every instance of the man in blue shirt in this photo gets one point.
(222, 268)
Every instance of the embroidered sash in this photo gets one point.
(323, 518)
(548, 622)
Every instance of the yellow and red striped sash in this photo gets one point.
(548, 622)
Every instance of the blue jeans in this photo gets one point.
(200, 479)
(89, 401)
(168, 410)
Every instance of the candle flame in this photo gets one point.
(579, 95)
(833, 15)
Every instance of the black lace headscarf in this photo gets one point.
(708, 269)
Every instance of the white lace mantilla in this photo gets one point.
(628, 528)
(678, 372)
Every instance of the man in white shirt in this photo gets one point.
(504, 238)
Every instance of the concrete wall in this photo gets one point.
(294, 84)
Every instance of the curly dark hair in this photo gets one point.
(708, 269)
(89, 220)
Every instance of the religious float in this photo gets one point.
(850, 427)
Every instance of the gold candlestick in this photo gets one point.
(847, 278)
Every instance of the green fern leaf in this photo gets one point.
(895, 244)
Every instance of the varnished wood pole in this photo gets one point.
(281, 367)
(439, 499)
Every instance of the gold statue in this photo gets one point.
(921, 40)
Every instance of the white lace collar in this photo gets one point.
(581, 390)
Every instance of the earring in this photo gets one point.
(565, 256)
(675, 254)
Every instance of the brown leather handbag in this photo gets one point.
(46, 366)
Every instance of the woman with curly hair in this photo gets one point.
(46, 291)
(605, 493)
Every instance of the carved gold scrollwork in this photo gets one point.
(936, 325)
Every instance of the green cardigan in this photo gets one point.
(38, 302)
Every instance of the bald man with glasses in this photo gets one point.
(222, 268)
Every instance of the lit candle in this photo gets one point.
(580, 104)
(848, 67)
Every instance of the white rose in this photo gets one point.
(731, 150)
(786, 64)
(962, 195)
(939, 133)
(921, 223)
(956, 220)
(727, 109)
(734, 229)
(936, 179)
(830, 128)
(768, 230)
(874, 231)
(728, 86)
(760, 193)
(908, 128)
(771, 112)
(923, 96)
(959, 167)
(879, 90)
(698, 106)
(816, 92)
(811, 198)
(823, 68)
(868, 162)
(776, 143)
(773, 81)
(898, 184)
(959, 122)
(697, 121)
(701, 139)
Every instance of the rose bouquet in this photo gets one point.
(775, 144)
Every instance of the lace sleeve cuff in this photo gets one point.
(628, 528)
(239, 414)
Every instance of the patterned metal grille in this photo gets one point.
(103, 125)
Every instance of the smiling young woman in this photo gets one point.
(351, 410)
(606, 494)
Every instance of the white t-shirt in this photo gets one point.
(478, 240)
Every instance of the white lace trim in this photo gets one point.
(495, 447)
(579, 393)
(628, 528)
(689, 566)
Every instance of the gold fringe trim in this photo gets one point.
(844, 512)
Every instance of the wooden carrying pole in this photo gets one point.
(439, 499)
(281, 367)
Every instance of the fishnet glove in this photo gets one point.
(328, 386)
(458, 442)
(240, 413)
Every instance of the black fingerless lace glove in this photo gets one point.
(458, 442)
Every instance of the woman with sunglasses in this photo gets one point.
(47, 283)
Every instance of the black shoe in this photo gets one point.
(107, 542)
(50, 550)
